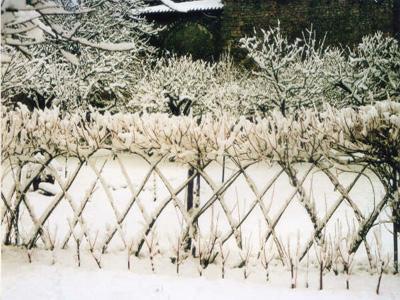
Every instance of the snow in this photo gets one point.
(49, 188)
(13, 4)
(183, 7)
(123, 46)
(42, 280)
(70, 57)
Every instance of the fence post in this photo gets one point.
(395, 244)
(189, 196)
(223, 169)
(396, 222)
(189, 205)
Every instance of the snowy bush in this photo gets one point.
(291, 71)
(288, 76)
(374, 71)
(108, 66)
(304, 73)
(175, 85)
(181, 85)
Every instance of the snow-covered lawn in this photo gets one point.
(63, 280)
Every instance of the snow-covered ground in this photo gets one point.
(64, 280)
(43, 279)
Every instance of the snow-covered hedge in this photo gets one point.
(358, 133)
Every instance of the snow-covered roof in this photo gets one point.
(183, 7)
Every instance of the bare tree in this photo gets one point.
(57, 54)
(305, 73)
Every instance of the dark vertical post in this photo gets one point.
(197, 204)
(396, 223)
(189, 197)
(395, 247)
(223, 168)
(189, 202)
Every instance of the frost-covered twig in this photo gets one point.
(224, 258)
(152, 246)
(129, 254)
(92, 244)
(382, 261)
(207, 250)
(292, 260)
(52, 238)
(307, 269)
(245, 254)
(342, 251)
(179, 256)
(78, 241)
(267, 255)
(323, 253)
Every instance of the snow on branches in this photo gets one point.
(290, 71)
(288, 76)
(175, 86)
(58, 54)
(182, 86)
(342, 136)
(305, 73)
(305, 136)
(27, 23)
(374, 71)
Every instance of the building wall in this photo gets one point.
(343, 21)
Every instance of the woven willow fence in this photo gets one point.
(365, 141)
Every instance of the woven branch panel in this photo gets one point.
(114, 201)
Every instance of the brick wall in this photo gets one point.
(344, 21)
